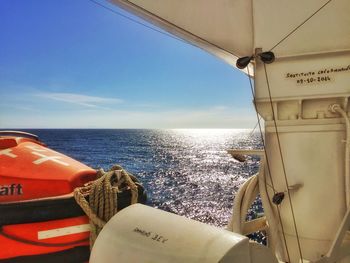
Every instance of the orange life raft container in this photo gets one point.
(39, 218)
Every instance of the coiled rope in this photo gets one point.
(98, 198)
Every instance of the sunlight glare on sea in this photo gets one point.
(200, 178)
(185, 171)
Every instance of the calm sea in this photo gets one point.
(187, 172)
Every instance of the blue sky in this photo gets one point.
(73, 64)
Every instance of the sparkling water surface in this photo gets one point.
(187, 171)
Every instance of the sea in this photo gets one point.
(184, 171)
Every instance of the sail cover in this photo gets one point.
(234, 28)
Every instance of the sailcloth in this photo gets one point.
(230, 29)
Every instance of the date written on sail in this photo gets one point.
(316, 76)
(312, 80)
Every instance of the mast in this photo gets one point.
(303, 96)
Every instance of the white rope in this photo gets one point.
(243, 200)
(275, 240)
(244, 197)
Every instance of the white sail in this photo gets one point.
(234, 28)
(221, 27)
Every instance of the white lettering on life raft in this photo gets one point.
(7, 152)
(36, 148)
(45, 158)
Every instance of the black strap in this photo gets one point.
(54, 209)
(38, 211)
(73, 255)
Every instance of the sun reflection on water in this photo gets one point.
(185, 171)
(198, 178)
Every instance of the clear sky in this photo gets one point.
(73, 64)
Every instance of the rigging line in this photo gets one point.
(137, 22)
(268, 165)
(295, 29)
(253, 130)
(283, 164)
(269, 185)
(260, 129)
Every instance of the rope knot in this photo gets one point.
(99, 199)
